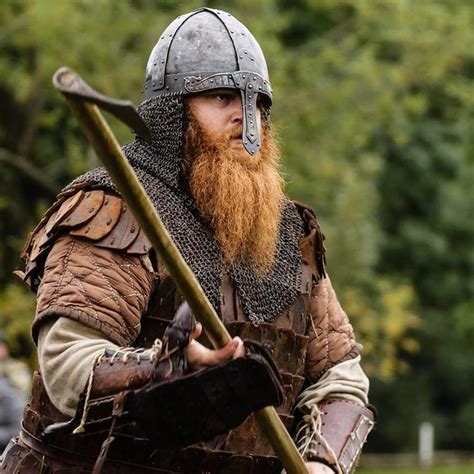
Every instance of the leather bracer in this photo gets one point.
(334, 433)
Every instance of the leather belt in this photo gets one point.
(73, 458)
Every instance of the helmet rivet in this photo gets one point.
(252, 134)
(154, 64)
(250, 86)
(241, 57)
(243, 77)
(259, 88)
(212, 80)
(254, 78)
(153, 84)
(162, 61)
(245, 52)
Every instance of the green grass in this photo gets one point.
(418, 470)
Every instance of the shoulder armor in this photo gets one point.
(87, 214)
(312, 245)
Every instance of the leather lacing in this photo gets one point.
(124, 353)
(310, 431)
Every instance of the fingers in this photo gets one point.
(200, 356)
(318, 468)
(218, 356)
(197, 331)
(240, 349)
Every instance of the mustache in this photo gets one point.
(234, 133)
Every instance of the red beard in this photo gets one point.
(241, 196)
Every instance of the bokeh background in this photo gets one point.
(373, 105)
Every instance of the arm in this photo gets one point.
(335, 421)
(67, 351)
(95, 285)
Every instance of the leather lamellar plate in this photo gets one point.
(93, 215)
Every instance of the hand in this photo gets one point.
(200, 357)
(318, 468)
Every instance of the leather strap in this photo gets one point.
(61, 455)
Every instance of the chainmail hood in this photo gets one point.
(158, 165)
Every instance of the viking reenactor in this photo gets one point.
(128, 383)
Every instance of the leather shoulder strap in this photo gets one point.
(312, 245)
(93, 215)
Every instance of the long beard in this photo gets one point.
(241, 196)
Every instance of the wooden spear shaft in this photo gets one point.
(108, 149)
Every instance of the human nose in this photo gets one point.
(236, 112)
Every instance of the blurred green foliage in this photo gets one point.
(374, 105)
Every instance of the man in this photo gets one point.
(211, 170)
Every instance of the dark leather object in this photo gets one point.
(209, 402)
(345, 426)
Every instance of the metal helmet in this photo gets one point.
(209, 49)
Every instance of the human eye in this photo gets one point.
(222, 97)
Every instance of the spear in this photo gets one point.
(84, 103)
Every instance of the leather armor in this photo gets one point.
(90, 237)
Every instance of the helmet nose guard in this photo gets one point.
(209, 49)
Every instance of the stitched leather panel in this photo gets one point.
(331, 337)
(106, 290)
